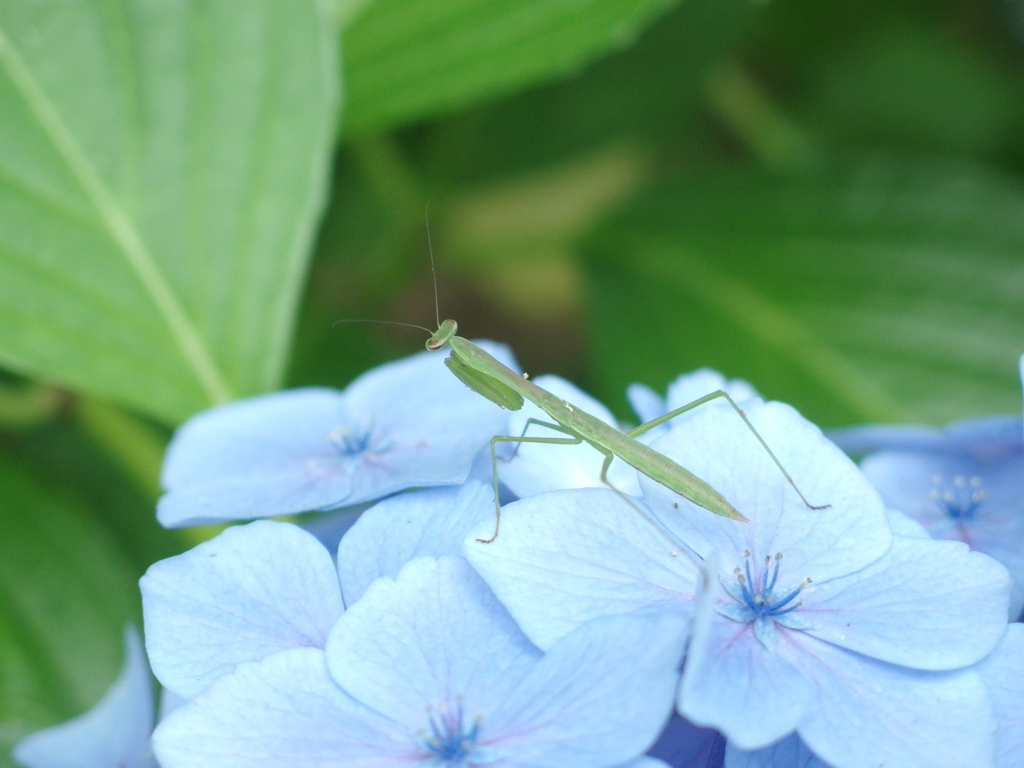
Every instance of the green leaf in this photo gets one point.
(914, 87)
(161, 170)
(884, 289)
(410, 59)
(65, 593)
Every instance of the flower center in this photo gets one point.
(759, 597)
(958, 498)
(451, 741)
(757, 602)
(352, 438)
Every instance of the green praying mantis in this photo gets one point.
(487, 376)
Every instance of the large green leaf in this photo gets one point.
(409, 59)
(885, 289)
(162, 166)
(65, 593)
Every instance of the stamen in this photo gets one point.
(451, 742)
(960, 498)
(763, 603)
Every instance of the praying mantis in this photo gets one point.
(487, 376)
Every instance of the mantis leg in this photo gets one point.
(654, 522)
(707, 398)
(574, 440)
(538, 422)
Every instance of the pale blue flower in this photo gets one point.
(266, 587)
(409, 423)
(113, 734)
(429, 670)
(964, 482)
(824, 622)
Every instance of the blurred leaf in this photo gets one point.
(649, 96)
(409, 59)
(65, 593)
(908, 86)
(161, 171)
(372, 259)
(884, 289)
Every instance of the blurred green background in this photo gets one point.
(821, 197)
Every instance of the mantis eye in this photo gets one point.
(441, 336)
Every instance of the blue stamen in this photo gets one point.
(351, 439)
(451, 742)
(959, 499)
(763, 603)
(779, 603)
(775, 576)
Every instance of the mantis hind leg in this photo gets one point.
(707, 398)
(573, 440)
(654, 522)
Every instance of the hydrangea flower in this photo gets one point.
(825, 623)
(429, 670)
(405, 424)
(113, 734)
(964, 482)
(258, 589)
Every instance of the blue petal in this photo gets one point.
(733, 587)
(250, 592)
(984, 437)
(599, 697)
(539, 467)
(790, 752)
(262, 456)
(404, 424)
(872, 437)
(925, 604)
(796, 620)
(415, 524)
(869, 713)
(568, 556)
(732, 683)
(281, 712)
(736, 612)
(415, 643)
(820, 544)
(764, 631)
(113, 734)
(1003, 675)
(905, 525)
(987, 437)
